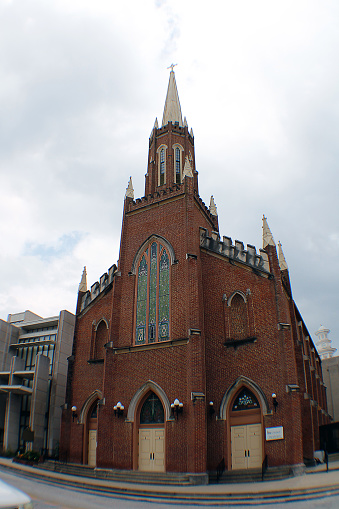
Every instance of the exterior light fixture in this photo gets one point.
(119, 409)
(177, 407)
(275, 402)
(211, 409)
(74, 413)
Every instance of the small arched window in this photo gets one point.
(177, 165)
(152, 411)
(239, 318)
(245, 400)
(162, 177)
(153, 295)
(101, 338)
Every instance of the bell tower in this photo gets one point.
(171, 146)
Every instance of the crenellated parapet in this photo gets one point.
(160, 195)
(236, 251)
(98, 287)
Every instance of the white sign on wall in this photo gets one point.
(276, 433)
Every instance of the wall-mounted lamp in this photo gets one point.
(177, 407)
(275, 402)
(211, 409)
(119, 409)
(74, 413)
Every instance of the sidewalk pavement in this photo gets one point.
(314, 484)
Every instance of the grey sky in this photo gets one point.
(81, 83)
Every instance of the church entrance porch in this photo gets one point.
(246, 437)
(151, 435)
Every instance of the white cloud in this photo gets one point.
(81, 83)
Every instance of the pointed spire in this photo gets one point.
(213, 207)
(156, 125)
(187, 169)
(185, 122)
(267, 234)
(172, 109)
(281, 258)
(83, 282)
(129, 190)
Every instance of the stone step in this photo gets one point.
(252, 475)
(132, 476)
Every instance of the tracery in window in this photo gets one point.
(153, 294)
(245, 401)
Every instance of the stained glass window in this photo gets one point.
(152, 411)
(162, 167)
(245, 401)
(164, 297)
(177, 166)
(153, 296)
(141, 302)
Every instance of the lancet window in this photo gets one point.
(152, 411)
(162, 167)
(177, 165)
(153, 295)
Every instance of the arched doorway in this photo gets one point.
(151, 435)
(246, 437)
(92, 427)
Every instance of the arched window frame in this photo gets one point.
(162, 158)
(178, 150)
(152, 293)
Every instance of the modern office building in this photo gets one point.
(33, 370)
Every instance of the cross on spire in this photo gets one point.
(171, 67)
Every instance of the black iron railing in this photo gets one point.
(264, 467)
(220, 469)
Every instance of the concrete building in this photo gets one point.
(323, 343)
(191, 352)
(33, 371)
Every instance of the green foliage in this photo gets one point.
(30, 456)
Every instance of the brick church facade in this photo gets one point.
(191, 351)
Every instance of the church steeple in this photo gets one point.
(171, 148)
(172, 109)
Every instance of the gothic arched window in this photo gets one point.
(177, 165)
(238, 315)
(245, 400)
(153, 308)
(152, 411)
(162, 179)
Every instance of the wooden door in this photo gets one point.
(92, 447)
(246, 446)
(152, 450)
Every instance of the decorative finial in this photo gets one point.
(171, 67)
(267, 234)
(281, 258)
(187, 169)
(83, 282)
(213, 207)
(129, 191)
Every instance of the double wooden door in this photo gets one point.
(246, 445)
(152, 449)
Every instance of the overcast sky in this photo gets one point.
(81, 83)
